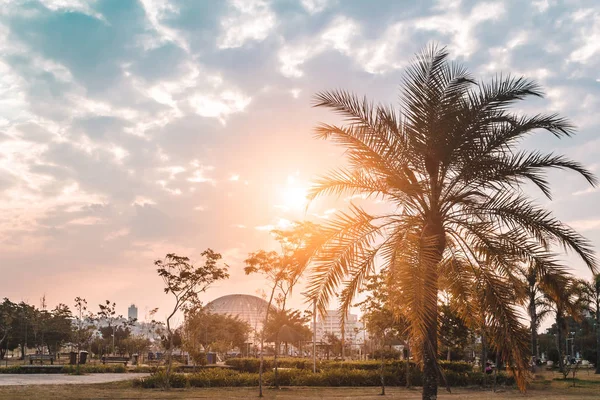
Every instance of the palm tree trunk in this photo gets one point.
(533, 327)
(432, 254)
(381, 377)
(559, 340)
(597, 334)
(408, 363)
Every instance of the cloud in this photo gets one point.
(248, 20)
(588, 21)
(585, 225)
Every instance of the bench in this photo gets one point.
(41, 358)
(115, 360)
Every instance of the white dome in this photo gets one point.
(246, 307)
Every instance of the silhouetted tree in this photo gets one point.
(185, 281)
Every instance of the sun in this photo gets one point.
(294, 196)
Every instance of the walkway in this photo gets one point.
(62, 379)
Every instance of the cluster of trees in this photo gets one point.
(24, 326)
(574, 310)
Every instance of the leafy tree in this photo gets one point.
(117, 327)
(58, 329)
(8, 314)
(449, 166)
(283, 272)
(137, 344)
(454, 332)
(23, 332)
(185, 281)
(204, 331)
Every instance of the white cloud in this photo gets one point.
(142, 201)
(249, 20)
(316, 6)
(199, 176)
(460, 26)
(156, 10)
(588, 22)
(81, 6)
(585, 224)
(86, 221)
(345, 35)
(219, 105)
(589, 190)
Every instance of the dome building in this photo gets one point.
(248, 308)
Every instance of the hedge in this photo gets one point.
(302, 377)
(252, 364)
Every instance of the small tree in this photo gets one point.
(117, 327)
(185, 281)
(7, 316)
(83, 317)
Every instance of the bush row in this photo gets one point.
(252, 364)
(298, 377)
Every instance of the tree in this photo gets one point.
(539, 282)
(83, 324)
(8, 314)
(283, 272)
(58, 329)
(293, 320)
(569, 300)
(117, 327)
(454, 332)
(449, 167)
(204, 331)
(594, 293)
(137, 344)
(23, 330)
(185, 281)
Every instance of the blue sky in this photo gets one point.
(129, 129)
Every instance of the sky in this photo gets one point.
(134, 128)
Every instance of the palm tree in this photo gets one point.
(448, 167)
(571, 299)
(594, 288)
(540, 285)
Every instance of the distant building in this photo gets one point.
(132, 312)
(248, 308)
(331, 323)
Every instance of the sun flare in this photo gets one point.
(294, 195)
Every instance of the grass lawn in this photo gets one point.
(545, 386)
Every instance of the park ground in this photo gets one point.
(545, 386)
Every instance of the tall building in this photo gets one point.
(132, 312)
(331, 323)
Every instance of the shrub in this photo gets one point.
(157, 380)
(95, 368)
(456, 366)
